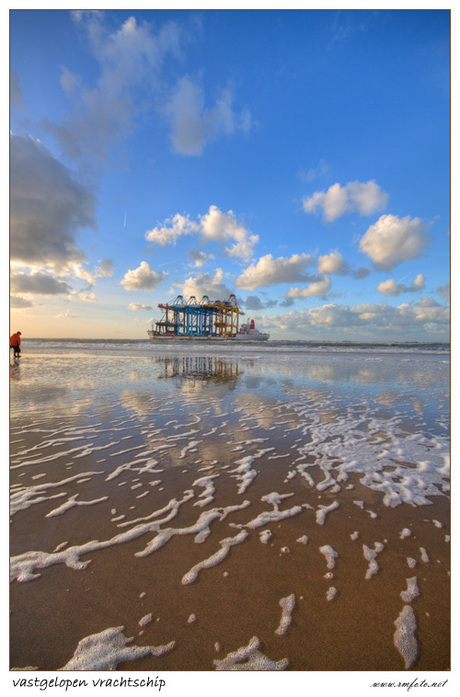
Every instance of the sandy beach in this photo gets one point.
(203, 509)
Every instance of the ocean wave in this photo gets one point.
(38, 345)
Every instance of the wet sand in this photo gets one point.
(200, 502)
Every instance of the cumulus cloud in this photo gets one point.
(87, 297)
(333, 263)
(214, 226)
(268, 271)
(212, 286)
(316, 288)
(127, 58)
(37, 284)
(392, 240)
(137, 306)
(105, 269)
(173, 228)
(371, 319)
(253, 302)
(426, 311)
(194, 125)
(18, 302)
(142, 278)
(364, 198)
(220, 227)
(48, 206)
(391, 287)
(198, 258)
(333, 315)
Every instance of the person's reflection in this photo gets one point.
(15, 370)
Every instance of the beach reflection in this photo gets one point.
(199, 368)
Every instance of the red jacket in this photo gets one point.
(15, 340)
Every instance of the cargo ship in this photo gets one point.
(206, 320)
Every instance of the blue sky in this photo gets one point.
(299, 159)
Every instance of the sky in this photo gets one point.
(297, 159)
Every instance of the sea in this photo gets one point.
(142, 345)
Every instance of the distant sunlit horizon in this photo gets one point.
(297, 159)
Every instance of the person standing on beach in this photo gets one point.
(15, 343)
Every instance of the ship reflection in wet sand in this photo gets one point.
(203, 368)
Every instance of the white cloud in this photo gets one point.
(333, 263)
(373, 320)
(193, 125)
(142, 278)
(426, 311)
(175, 227)
(391, 287)
(317, 288)
(212, 286)
(333, 315)
(88, 297)
(221, 227)
(364, 198)
(48, 206)
(214, 226)
(392, 240)
(129, 57)
(137, 306)
(268, 271)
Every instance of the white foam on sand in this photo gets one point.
(404, 636)
(215, 558)
(22, 566)
(207, 496)
(244, 473)
(146, 619)
(104, 651)
(22, 498)
(250, 658)
(412, 590)
(264, 536)
(351, 441)
(322, 512)
(71, 503)
(370, 555)
(424, 555)
(274, 516)
(330, 554)
(405, 532)
(287, 606)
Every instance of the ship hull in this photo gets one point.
(238, 337)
